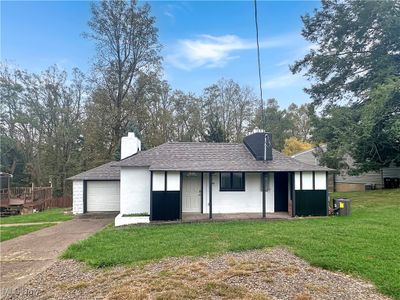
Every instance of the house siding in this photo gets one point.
(391, 172)
(248, 201)
(135, 190)
(346, 183)
(366, 178)
(77, 196)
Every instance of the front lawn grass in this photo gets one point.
(48, 215)
(7, 233)
(366, 244)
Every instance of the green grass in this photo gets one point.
(48, 215)
(7, 233)
(366, 244)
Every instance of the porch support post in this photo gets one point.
(294, 194)
(202, 192)
(84, 196)
(180, 194)
(327, 194)
(151, 195)
(263, 195)
(301, 180)
(313, 180)
(210, 191)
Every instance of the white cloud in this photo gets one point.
(284, 62)
(296, 54)
(284, 80)
(169, 15)
(216, 51)
(171, 9)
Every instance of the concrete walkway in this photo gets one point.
(28, 255)
(28, 224)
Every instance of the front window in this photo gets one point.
(232, 181)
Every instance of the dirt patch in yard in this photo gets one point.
(258, 274)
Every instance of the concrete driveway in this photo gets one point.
(27, 255)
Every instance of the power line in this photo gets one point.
(259, 66)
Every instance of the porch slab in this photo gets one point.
(192, 217)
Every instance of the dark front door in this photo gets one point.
(281, 191)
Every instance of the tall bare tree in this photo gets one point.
(233, 107)
(300, 119)
(187, 116)
(127, 45)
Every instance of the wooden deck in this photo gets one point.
(24, 199)
(17, 201)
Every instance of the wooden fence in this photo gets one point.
(62, 202)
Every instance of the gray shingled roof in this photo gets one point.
(211, 157)
(103, 172)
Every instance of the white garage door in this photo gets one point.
(102, 196)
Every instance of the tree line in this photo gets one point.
(53, 127)
(54, 124)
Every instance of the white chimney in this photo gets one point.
(130, 145)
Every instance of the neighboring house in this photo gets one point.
(176, 179)
(343, 182)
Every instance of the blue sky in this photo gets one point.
(202, 41)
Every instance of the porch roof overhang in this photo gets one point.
(236, 166)
(246, 169)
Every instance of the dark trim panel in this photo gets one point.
(210, 192)
(165, 181)
(301, 180)
(293, 194)
(202, 192)
(291, 181)
(166, 206)
(311, 203)
(327, 194)
(180, 194)
(263, 194)
(151, 195)
(85, 196)
(313, 180)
